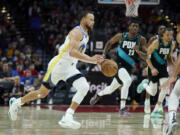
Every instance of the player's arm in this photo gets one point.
(112, 41)
(75, 37)
(143, 44)
(151, 41)
(170, 58)
(151, 49)
(177, 69)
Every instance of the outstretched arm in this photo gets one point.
(112, 41)
(75, 38)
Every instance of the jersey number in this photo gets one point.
(165, 57)
(131, 52)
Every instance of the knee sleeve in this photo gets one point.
(152, 88)
(176, 89)
(163, 92)
(173, 102)
(82, 87)
(126, 79)
(111, 88)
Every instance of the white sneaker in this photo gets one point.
(13, 109)
(68, 122)
(173, 128)
(147, 108)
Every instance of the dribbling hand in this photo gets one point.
(99, 58)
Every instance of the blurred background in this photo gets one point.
(31, 31)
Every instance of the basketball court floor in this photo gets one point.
(95, 120)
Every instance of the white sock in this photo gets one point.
(172, 116)
(70, 111)
(147, 101)
(123, 104)
(18, 102)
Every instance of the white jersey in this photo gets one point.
(64, 48)
(63, 65)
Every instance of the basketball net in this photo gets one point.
(132, 7)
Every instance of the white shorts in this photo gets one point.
(60, 70)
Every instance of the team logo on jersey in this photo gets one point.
(128, 44)
(82, 48)
(164, 51)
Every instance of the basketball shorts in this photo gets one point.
(61, 70)
(162, 74)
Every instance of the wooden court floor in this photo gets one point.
(44, 121)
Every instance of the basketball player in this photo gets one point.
(63, 67)
(161, 28)
(129, 46)
(174, 98)
(159, 52)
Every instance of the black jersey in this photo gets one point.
(126, 55)
(160, 55)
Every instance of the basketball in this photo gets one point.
(109, 68)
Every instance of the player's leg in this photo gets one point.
(108, 90)
(125, 77)
(150, 84)
(115, 84)
(147, 105)
(82, 87)
(173, 104)
(159, 107)
(14, 103)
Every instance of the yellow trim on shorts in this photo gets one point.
(46, 77)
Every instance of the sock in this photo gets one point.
(172, 116)
(123, 104)
(18, 102)
(147, 101)
(70, 111)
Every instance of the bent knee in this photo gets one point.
(128, 82)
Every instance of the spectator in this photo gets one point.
(34, 72)
(28, 81)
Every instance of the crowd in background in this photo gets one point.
(22, 63)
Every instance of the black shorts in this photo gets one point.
(162, 74)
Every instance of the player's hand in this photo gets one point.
(168, 82)
(136, 48)
(99, 58)
(154, 72)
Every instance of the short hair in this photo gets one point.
(134, 20)
(178, 19)
(84, 14)
(167, 29)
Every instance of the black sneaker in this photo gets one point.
(124, 113)
(94, 99)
